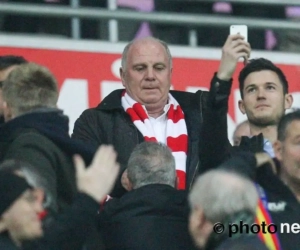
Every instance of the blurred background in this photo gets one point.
(273, 24)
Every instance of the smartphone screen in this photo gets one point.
(239, 29)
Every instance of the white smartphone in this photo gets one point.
(239, 29)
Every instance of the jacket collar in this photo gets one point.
(112, 101)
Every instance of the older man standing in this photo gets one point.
(148, 111)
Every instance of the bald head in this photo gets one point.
(144, 41)
(242, 129)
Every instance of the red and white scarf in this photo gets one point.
(176, 131)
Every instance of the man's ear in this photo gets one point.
(288, 102)
(7, 112)
(122, 75)
(126, 183)
(277, 146)
(199, 217)
(242, 106)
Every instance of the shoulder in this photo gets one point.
(110, 103)
(30, 137)
(31, 145)
(188, 99)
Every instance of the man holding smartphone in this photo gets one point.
(265, 97)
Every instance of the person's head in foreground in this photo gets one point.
(19, 209)
(27, 88)
(220, 197)
(151, 163)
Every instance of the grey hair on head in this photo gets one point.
(128, 46)
(151, 163)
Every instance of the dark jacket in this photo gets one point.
(41, 139)
(152, 217)
(6, 243)
(108, 123)
(281, 202)
(242, 243)
(70, 229)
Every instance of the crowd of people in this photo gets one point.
(149, 167)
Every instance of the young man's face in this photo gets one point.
(264, 101)
(21, 219)
(288, 152)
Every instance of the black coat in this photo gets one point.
(70, 229)
(152, 217)
(242, 243)
(108, 123)
(6, 243)
(41, 138)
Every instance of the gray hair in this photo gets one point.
(221, 193)
(28, 87)
(151, 163)
(128, 46)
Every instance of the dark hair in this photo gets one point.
(260, 64)
(11, 60)
(285, 121)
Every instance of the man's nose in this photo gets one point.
(150, 74)
(261, 93)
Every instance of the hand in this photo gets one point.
(98, 179)
(234, 48)
(264, 158)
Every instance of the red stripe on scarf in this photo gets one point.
(178, 144)
(146, 138)
(175, 114)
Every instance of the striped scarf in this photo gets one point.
(176, 131)
(271, 240)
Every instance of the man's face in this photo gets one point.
(264, 102)
(147, 75)
(21, 219)
(288, 152)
